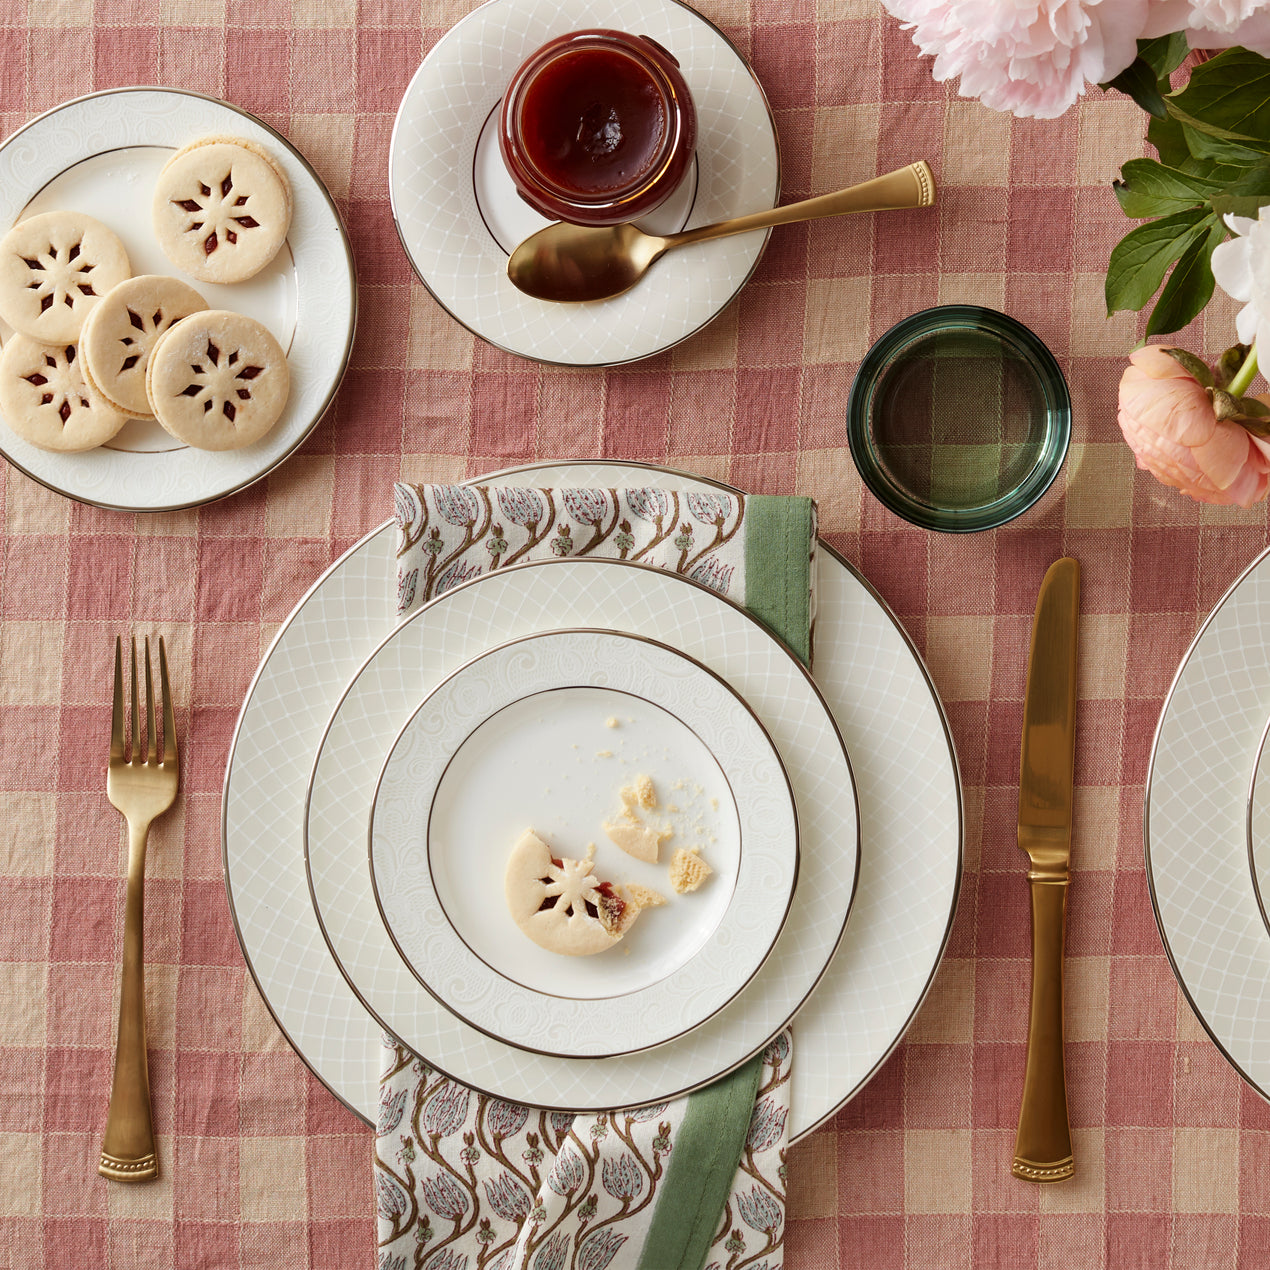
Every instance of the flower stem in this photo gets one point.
(1244, 375)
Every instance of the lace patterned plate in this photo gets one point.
(459, 216)
(885, 707)
(101, 155)
(545, 732)
(1197, 849)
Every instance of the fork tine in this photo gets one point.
(133, 711)
(116, 715)
(169, 724)
(152, 736)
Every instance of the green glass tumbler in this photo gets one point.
(959, 418)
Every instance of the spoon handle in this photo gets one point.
(912, 186)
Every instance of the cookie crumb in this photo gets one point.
(636, 838)
(645, 896)
(688, 871)
(612, 722)
(604, 754)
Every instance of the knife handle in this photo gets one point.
(1043, 1147)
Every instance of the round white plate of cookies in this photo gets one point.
(259, 263)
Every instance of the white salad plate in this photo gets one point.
(885, 707)
(1196, 827)
(607, 594)
(545, 732)
(459, 216)
(101, 155)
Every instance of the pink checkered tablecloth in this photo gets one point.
(260, 1165)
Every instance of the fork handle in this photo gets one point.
(127, 1148)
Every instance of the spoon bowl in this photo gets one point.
(579, 263)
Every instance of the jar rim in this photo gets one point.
(674, 101)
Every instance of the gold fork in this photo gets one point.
(142, 786)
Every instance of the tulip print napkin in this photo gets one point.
(469, 1182)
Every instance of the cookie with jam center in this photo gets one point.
(222, 208)
(45, 399)
(54, 268)
(217, 380)
(121, 332)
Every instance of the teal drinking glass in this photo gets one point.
(959, 418)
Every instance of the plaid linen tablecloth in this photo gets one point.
(260, 1165)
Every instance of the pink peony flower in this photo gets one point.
(1032, 57)
(1169, 421)
(1213, 24)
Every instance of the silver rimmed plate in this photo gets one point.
(1196, 826)
(101, 155)
(607, 594)
(458, 214)
(883, 702)
(1259, 824)
(547, 732)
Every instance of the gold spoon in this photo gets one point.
(583, 262)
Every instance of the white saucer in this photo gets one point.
(545, 732)
(100, 155)
(457, 212)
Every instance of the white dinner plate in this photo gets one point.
(101, 155)
(1258, 823)
(642, 600)
(459, 215)
(546, 732)
(885, 707)
(1196, 825)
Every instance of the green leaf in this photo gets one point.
(1148, 188)
(1246, 195)
(1190, 285)
(1165, 53)
(1141, 258)
(1140, 82)
(1228, 98)
(1167, 137)
(1203, 145)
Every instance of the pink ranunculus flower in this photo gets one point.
(1031, 57)
(1168, 420)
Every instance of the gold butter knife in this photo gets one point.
(1043, 1146)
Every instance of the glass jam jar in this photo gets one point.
(597, 127)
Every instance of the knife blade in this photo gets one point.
(1043, 1145)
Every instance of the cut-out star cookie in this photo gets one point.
(54, 268)
(217, 380)
(222, 209)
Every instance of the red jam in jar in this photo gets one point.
(597, 127)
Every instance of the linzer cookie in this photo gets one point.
(53, 269)
(46, 401)
(222, 208)
(121, 332)
(217, 380)
(560, 904)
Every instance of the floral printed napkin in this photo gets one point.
(756, 549)
(469, 1182)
